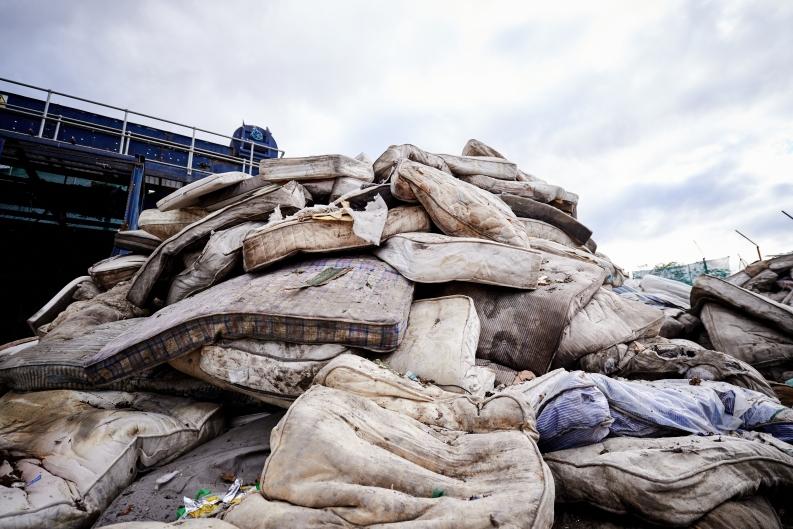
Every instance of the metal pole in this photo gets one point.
(57, 128)
(759, 255)
(788, 214)
(44, 116)
(250, 168)
(190, 156)
(123, 132)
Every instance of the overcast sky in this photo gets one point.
(673, 121)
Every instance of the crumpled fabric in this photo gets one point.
(367, 224)
(578, 409)
(654, 409)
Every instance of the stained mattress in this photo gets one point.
(357, 301)
(257, 207)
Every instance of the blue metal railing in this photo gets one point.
(129, 132)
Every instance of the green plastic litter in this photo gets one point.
(201, 493)
(789, 382)
(180, 512)
(437, 493)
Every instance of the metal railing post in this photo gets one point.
(44, 116)
(250, 168)
(123, 132)
(190, 155)
(57, 128)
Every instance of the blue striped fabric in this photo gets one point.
(577, 413)
(577, 417)
(667, 407)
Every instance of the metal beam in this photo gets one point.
(759, 255)
(134, 198)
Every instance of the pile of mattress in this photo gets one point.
(426, 339)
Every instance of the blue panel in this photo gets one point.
(134, 198)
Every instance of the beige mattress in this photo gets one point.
(76, 450)
(190, 194)
(113, 270)
(401, 454)
(277, 241)
(138, 241)
(357, 301)
(310, 168)
(166, 224)
(440, 345)
(438, 258)
(458, 208)
(56, 305)
(256, 207)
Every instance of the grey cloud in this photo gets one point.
(332, 76)
(650, 209)
(533, 37)
(681, 67)
(770, 223)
